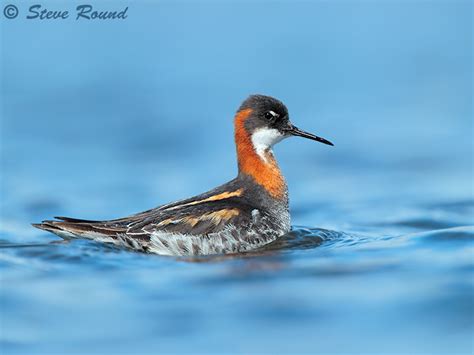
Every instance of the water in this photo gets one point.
(102, 120)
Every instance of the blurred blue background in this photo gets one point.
(102, 119)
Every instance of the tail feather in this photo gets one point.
(45, 225)
(75, 220)
(72, 228)
(57, 228)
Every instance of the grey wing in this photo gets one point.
(202, 219)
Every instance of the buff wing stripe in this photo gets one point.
(221, 196)
(215, 217)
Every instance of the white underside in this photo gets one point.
(177, 244)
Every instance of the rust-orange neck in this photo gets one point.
(265, 173)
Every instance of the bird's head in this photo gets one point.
(266, 120)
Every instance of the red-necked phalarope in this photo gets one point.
(243, 214)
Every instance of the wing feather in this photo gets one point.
(204, 214)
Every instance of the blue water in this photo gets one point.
(101, 120)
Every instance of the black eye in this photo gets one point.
(269, 115)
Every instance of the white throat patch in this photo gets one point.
(263, 139)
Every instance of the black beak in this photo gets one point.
(295, 131)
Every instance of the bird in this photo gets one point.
(242, 215)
